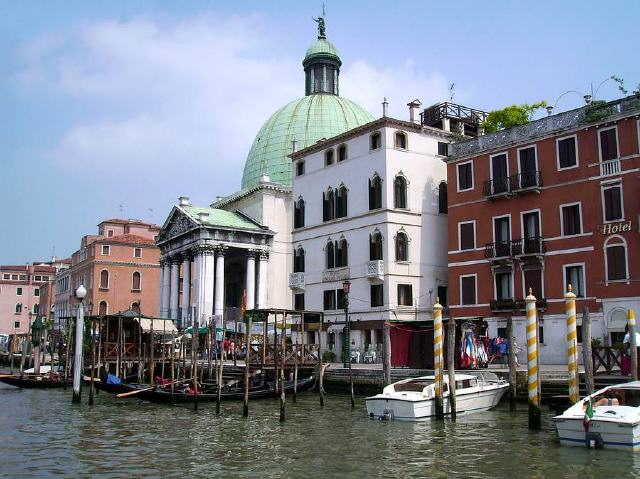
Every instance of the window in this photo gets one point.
(36, 309)
(442, 198)
(328, 158)
(533, 282)
(443, 296)
(18, 309)
(402, 247)
(135, 306)
(502, 236)
(375, 193)
(14, 277)
(400, 192)
(329, 300)
(375, 141)
(331, 257)
(401, 140)
(6, 276)
(376, 295)
(528, 167)
(45, 278)
(571, 219)
(103, 308)
(608, 144)
(405, 295)
(541, 332)
(465, 176)
(298, 213)
(37, 277)
(503, 285)
(22, 277)
(340, 299)
(298, 301)
(341, 202)
(341, 253)
(104, 279)
(106, 250)
(136, 281)
(328, 205)
(567, 154)
(443, 148)
(467, 290)
(574, 276)
(109, 233)
(375, 246)
(300, 168)
(499, 174)
(342, 153)
(18, 291)
(36, 292)
(579, 333)
(137, 252)
(298, 260)
(612, 197)
(616, 259)
(467, 235)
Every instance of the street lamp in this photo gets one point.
(36, 331)
(81, 292)
(346, 287)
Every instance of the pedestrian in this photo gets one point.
(516, 349)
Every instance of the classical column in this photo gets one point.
(196, 294)
(160, 289)
(251, 279)
(166, 287)
(205, 310)
(175, 287)
(262, 279)
(219, 294)
(186, 287)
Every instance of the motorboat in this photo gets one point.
(414, 398)
(609, 418)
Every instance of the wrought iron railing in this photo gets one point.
(497, 186)
(502, 304)
(526, 180)
(527, 246)
(499, 249)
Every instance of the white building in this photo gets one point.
(370, 207)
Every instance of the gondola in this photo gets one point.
(35, 382)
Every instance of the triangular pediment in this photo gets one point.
(176, 224)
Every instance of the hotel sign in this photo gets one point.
(614, 228)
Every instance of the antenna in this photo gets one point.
(452, 91)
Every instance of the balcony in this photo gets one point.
(541, 304)
(375, 269)
(534, 246)
(502, 305)
(527, 181)
(336, 274)
(296, 281)
(610, 167)
(497, 187)
(500, 249)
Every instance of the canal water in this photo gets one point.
(43, 435)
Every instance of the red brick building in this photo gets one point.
(119, 267)
(544, 205)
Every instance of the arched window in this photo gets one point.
(298, 260)
(135, 306)
(341, 253)
(18, 309)
(104, 279)
(103, 309)
(401, 140)
(342, 153)
(298, 213)
(300, 168)
(402, 247)
(331, 257)
(616, 258)
(400, 192)
(328, 205)
(375, 141)
(375, 246)
(375, 193)
(341, 202)
(442, 197)
(328, 158)
(136, 283)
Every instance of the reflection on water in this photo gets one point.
(42, 434)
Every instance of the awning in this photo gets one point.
(159, 325)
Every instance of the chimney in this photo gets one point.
(414, 106)
(294, 144)
(203, 216)
(385, 107)
(183, 201)
(265, 178)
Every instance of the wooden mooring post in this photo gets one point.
(587, 358)
(451, 366)
(513, 370)
(532, 362)
(247, 361)
(92, 387)
(386, 354)
(220, 371)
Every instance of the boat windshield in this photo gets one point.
(627, 397)
(417, 385)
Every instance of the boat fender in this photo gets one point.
(594, 440)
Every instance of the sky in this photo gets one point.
(116, 108)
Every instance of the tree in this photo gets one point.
(511, 116)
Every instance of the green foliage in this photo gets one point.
(596, 343)
(328, 357)
(511, 116)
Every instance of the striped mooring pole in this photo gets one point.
(633, 342)
(438, 358)
(572, 345)
(532, 361)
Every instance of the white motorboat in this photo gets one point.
(614, 421)
(414, 398)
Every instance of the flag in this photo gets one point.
(588, 414)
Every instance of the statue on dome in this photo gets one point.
(321, 25)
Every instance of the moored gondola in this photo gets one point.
(35, 381)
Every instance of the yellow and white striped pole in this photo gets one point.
(438, 357)
(532, 361)
(572, 345)
(634, 344)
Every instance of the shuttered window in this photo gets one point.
(567, 152)
(465, 176)
(468, 290)
(571, 224)
(329, 302)
(405, 295)
(533, 282)
(376, 295)
(612, 203)
(616, 262)
(467, 236)
(608, 145)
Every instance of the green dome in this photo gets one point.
(321, 47)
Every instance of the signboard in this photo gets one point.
(614, 228)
